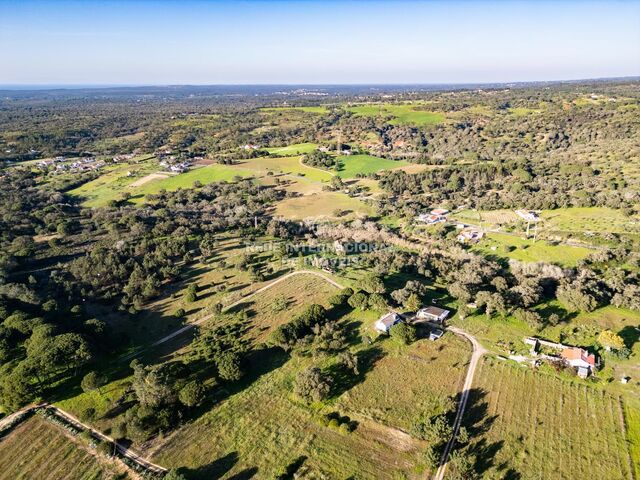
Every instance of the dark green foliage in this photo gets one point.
(312, 385)
(192, 394)
(404, 333)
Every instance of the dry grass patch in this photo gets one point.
(37, 449)
(409, 381)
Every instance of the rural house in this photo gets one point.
(583, 361)
(528, 215)
(470, 236)
(432, 314)
(384, 324)
(431, 219)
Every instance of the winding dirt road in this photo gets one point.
(478, 352)
(231, 305)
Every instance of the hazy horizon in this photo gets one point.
(310, 42)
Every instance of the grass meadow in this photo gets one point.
(594, 219)
(295, 149)
(364, 164)
(112, 182)
(323, 205)
(531, 425)
(404, 114)
(37, 449)
(261, 427)
(526, 250)
(204, 175)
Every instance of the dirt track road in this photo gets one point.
(478, 352)
(238, 302)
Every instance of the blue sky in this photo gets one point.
(311, 41)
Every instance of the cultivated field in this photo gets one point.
(37, 449)
(530, 425)
(490, 219)
(364, 164)
(590, 219)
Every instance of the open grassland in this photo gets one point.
(517, 248)
(409, 381)
(280, 303)
(261, 429)
(632, 417)
(323, 205)
(590, 219)
(287, 165)
(364, 164)
(316, 109)
(36, 449)
(204, 175)
(112, 182)
(404, 114)
(295, 149)
(486, 218)
(530, 425)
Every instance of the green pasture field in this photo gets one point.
(295, 149)
(486, 218)
(113, 182)
(364, 164)
(404, 114)
(297, 292)
(556, 432)
(526, 250)
(288, 165)
(39, 449)
(207, 174)
(261, 427)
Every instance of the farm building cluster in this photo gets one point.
(431, 317)
(581, 360)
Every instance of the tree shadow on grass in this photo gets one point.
(245, 474)
(216, 469)
(477, 421)
(291, 469)
(259, 362)
(344, 379)
(630, 334)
